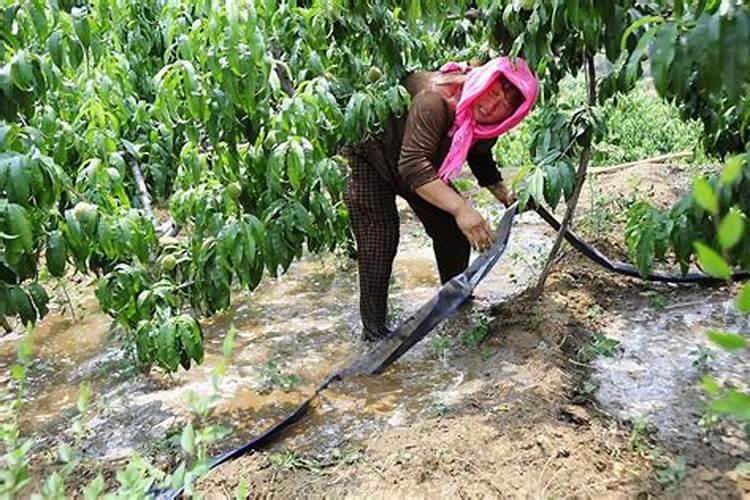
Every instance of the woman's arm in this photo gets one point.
(427, 122)
(469, 221)
(501, 192)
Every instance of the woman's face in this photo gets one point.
(494, 105)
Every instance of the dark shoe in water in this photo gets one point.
(375, 335)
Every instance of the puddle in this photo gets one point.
(656, 373)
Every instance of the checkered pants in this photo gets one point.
(372, 211)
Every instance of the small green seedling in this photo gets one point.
(672, 473)
(658, 301)
(271, 377)
(600, 345)
(439, 409)
(486, 352)
(290, 460)
(439, 346)
(477, 334)
(593, 312)
(640, 435)
(702, 359)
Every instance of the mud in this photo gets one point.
(514, 414)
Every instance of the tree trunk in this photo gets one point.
(583, 164)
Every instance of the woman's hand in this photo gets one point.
(475, 228)
(503, 195)
(469, 221)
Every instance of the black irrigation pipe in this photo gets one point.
(445, 302)
(628, 269)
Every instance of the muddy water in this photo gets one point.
(61, 347)
(306, 321)
(656, 373)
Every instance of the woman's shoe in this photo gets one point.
(375, 335)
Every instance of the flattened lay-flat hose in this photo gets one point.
(445, 302)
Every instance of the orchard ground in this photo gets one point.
(592, 391)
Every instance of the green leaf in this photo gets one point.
(743, 299)
(53, 486)
(733, 403)
(702, 51)
(711, 262)
(21, 303)
(661, 55)
(295, 161)
(187, 440)
(25, 349)
(18, 372)
(633, 66)
(710, 385)
(732, 169)
(415, 10)
(704, 195)
(55, 48)
(75, 52)
(65, 453)
(644, 252)
(241, 493)
(40, 297)
(567, 178)
(84, 397)
(83, 30)
(178, 477)
(636, 25)
(166, 346)
(56, 254)
(95, 489)
(734, 60)
(214, 433)
(228, 344)
(19, 226)
(38, 17)
(536, 185)
(19, 174)
(190, 337)
(21, 72)
(552, 185)
(731, 229)
(728, 341)
(274, 82)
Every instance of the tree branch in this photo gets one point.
(285, 77)
(655, 159)
(143, 194)
(168, 228)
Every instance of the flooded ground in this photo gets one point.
(305, 322)
(655, 375)
(495, 402)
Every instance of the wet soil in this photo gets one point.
(502, 400)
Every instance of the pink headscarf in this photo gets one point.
(465, 130)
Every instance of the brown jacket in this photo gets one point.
(411, 148)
